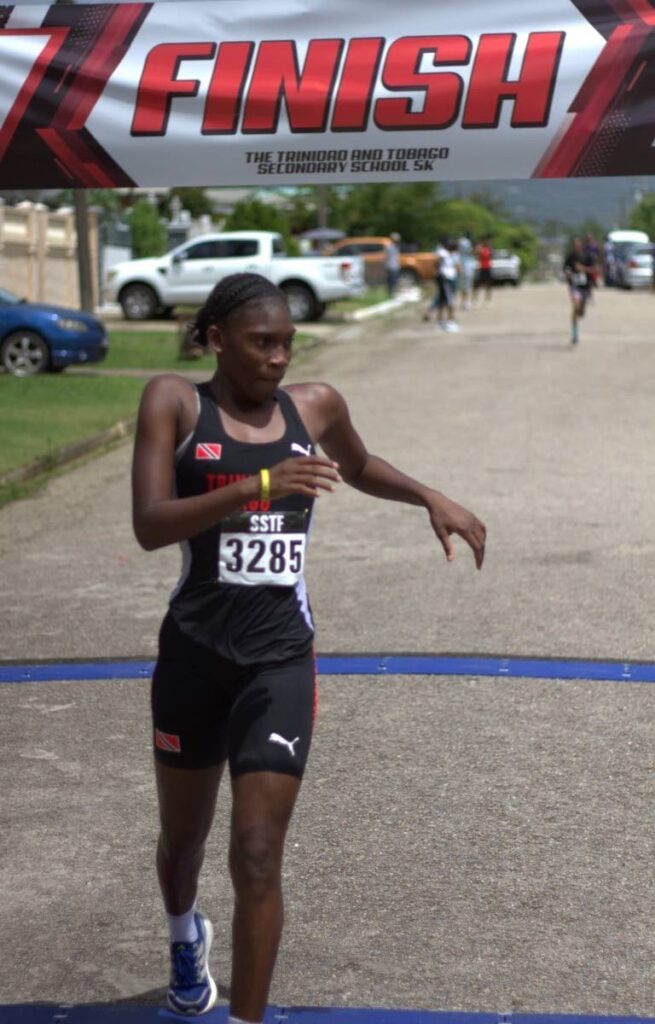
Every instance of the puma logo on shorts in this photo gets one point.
(276, 738)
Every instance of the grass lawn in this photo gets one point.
(44, 413)
(158, 350)
(151, 350)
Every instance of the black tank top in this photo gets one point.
(242, 590)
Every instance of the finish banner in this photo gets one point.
(248, 92)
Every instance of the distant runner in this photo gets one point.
(579, 271)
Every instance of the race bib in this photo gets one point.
(580, 279)
(262, 548)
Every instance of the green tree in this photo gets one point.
(254, 215)
(193, 199)
(518, 238)
(148, 232)
(494, 204)
(459, 215)
(642, 216)
(105, 198)
(302, 209)
(412, 209)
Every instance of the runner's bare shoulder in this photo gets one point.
(168, 392)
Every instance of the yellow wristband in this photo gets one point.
(265, 484)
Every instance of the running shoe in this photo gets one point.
(192, 989)
(451, 326)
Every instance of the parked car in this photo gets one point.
(187, 274)
(623, 241)
(505, 267)
(414, 266)
(35, 337)
(635, 268)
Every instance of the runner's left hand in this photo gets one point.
(447, 517)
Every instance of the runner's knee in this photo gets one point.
(255, 859)
(177, 843)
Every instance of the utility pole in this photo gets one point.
(84, 268)
(322, 205)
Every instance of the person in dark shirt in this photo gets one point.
(578, 270)
(230, 470)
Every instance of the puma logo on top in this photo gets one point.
(295, 447)
(276, 738)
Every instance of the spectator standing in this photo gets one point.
(467, 268)
(609, 263)
(483, 279)
(392, 263)
(444, 299)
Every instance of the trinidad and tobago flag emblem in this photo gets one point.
(167, 741)
(207, 450)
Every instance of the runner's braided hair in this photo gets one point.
(229, 295)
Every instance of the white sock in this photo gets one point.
(182, 927)
(238, 1020)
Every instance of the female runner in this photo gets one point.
(230, 470)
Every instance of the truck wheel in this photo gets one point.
(302, 303)
(407, 279)
(138, 301)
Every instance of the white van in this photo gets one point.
(621, 237)
(623, 243)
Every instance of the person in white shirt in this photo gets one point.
(467, 270)
(444, 299)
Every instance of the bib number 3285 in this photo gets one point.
(265, 549)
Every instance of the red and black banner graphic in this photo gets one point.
(43, 137)
(613, 130)
(130, 94)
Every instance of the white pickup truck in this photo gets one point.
(187, 274)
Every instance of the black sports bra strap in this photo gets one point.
(291, 414)
(209, 420)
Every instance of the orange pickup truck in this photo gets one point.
(414, 266)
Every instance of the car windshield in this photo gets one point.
(8, 298)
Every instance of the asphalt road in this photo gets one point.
(461, 843)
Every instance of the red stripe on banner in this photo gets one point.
(637, 75)
(593, 101)
(644, 10)
(97, 69)
(83, 171)
(33, 80)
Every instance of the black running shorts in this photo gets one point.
(207, 709)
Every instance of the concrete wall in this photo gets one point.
(38, 253)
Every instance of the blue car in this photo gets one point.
(35, 337)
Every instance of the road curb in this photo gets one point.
(68, 454)
(413, 295)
